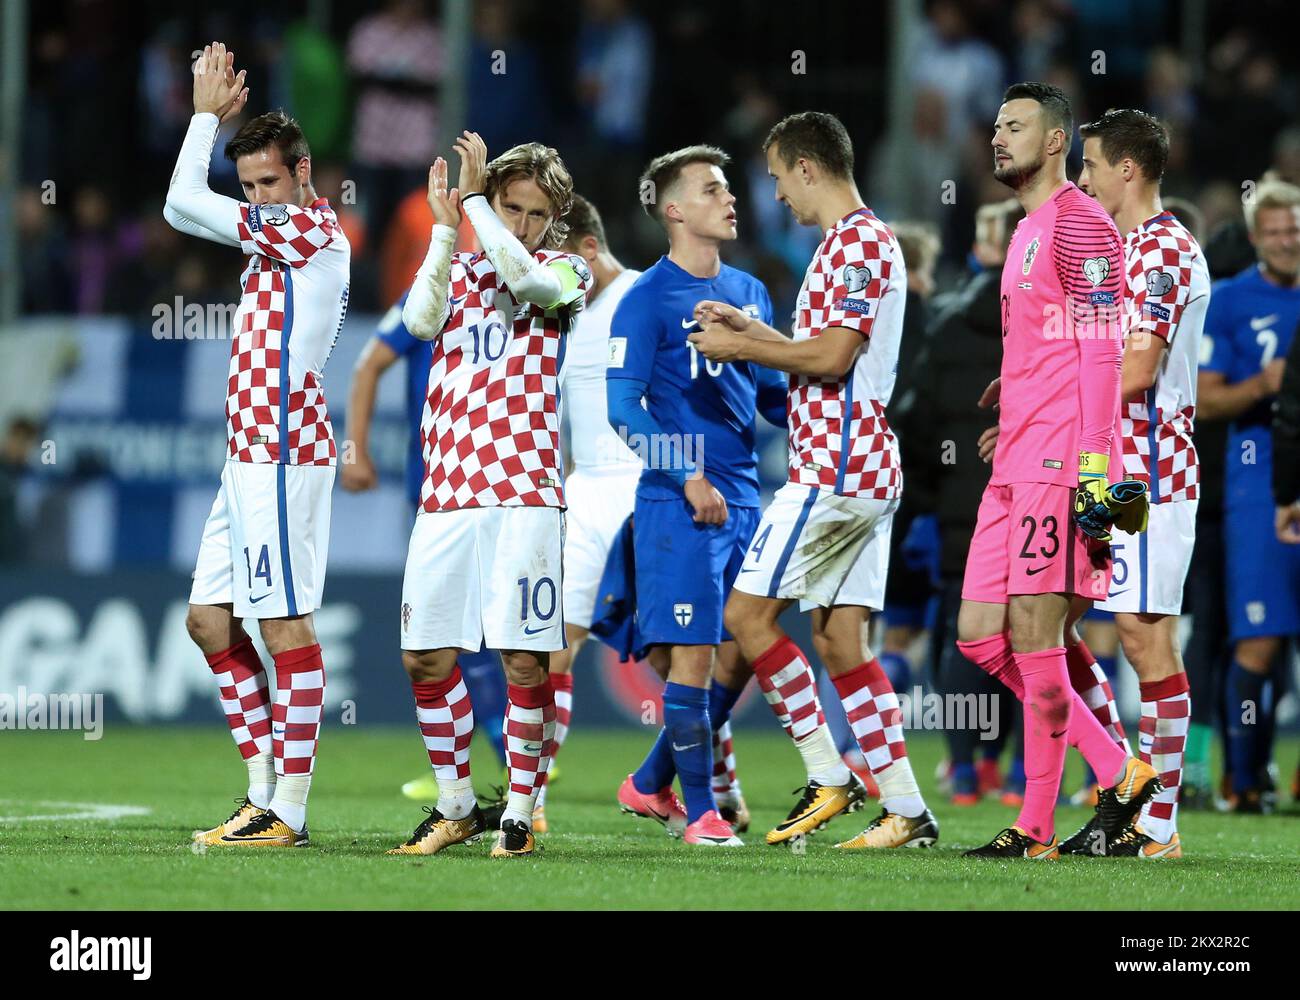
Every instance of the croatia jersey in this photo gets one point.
(839, 438)
(295, 295)
(593, 445)
(1062, 288)
(1168, 294)
(491, 426)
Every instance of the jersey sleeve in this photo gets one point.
(1216, 337)
(1159, 285)
(860, 266)
(633, 339)
(392, 332)
(284, 233)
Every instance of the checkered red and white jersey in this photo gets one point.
(839, 438)
(1168, 294)
(491, 426)
(294, 300)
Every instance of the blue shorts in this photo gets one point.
(1263, 575)
(684, 570)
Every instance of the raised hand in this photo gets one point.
(473, 163)
(218, 89)
(445, 205)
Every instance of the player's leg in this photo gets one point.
(280, 518)
(1151, 644)
(731, 672)
(1249, 706)
(1091, 648)
(872, 709)
(441, 615)
(519, 552)
(229, 652)
(1206, 657)
(561, 671)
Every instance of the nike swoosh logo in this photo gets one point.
(533, 747)
(661, 817)
(1264, 323)
(688, 323)
(534, 631)
(254, 600)
(751, 569)
(1116, 593)
(456, 301)
(691, 746)
(1057, 736)
(1031, 572)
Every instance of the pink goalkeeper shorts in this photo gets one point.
(1026, 542)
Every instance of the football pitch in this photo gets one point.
(147, 789)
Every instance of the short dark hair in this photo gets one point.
(816, 136)
(583, 220)
(275, 128)
(663, 172)
(1126, 132)
(1055, 105)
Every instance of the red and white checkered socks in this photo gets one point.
(563, 686)
(787, 683)
(295, 729)
(993, 655)
(242, 684)
(1162, 738)
(530, 745)
(447, 725)
(1090, 681)
(871, 706)
(724, 763)
(1049, 702)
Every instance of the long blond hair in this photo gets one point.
(540, 164)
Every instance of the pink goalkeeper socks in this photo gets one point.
(1048, 706)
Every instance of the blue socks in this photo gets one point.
(1244, 739)
(721, 701)
(686, 723)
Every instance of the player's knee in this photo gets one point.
(423, 667)
(1256, 655)
(209, 631)
(524, 668)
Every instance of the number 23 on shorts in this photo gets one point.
(1041, 539)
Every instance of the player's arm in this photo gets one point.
(773, 395)
(1157, 299)
(427, 306)
(562, 282)
(376, 358)
(1286, 449)
(828, 355)
(192, 207)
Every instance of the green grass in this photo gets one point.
(594, 857)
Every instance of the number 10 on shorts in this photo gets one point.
(541, 597)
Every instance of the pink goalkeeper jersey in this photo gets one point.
(1062, 290)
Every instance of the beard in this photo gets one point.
(1017, 176)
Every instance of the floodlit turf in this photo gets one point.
(594, 858)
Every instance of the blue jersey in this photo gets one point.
(419, 356)
(705, 409)
(1250, 322)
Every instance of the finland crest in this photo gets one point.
(683, 613)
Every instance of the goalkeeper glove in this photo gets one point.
(1090, 511)
(1128, 506)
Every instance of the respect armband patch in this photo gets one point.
(853, 305)
(1156, 310)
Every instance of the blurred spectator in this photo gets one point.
(15, 449)
(967, 71)
(45, 259)
(97, 245)
(1038, 36)
(508, 101)
(396, 59)
(318, 92)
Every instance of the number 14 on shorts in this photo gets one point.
(263, 570)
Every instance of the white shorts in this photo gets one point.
(266, 540)
(810, 545)
(1148, 570)
(485, 575)
(599, 504)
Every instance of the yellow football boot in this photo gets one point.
(1119, 805)
(539, 820)
(245, 814)
(514, 841)
(436, 832)
(1134, 843)
(892, 830)
(818, 805)
(265, 830)
(1013, 842)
